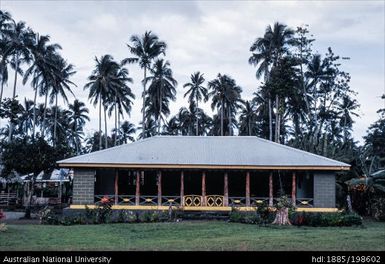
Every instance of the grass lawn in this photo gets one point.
(192, 235)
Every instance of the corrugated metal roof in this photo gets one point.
(209, 151)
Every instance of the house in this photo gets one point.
(49, 187)
(203, 173)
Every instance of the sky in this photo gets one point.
(211, 37)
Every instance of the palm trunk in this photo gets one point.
(229, 117)
(1, 91)
(270, 121)
(249, 127)
(276, 118)
(222, 117)
(105, 127)
(34, 114)
(76, 138)
(116, 124)
(144, 103)
(100, 123)
(345, 130)
(55, 125)
(325, 144)
(15, 80)
(160, 106)
(13, 97)
(44, 115)
(197, 124)
(118, 132)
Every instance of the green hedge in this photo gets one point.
(104, 215)
(324, 219)
(299, 218)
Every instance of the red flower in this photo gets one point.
(105, 199)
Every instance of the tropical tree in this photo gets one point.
(25, 118)
(42, 64)
(77, 116)
(6, 23)
(267, 52)
(101, 82)
(121, 98)
(60, 84)
(126, 132)
(248, 119)
(151, 128)
(161, 91)
(196, 92)
(226, 98)
(16, 42)
(145, 49)
(346, 112)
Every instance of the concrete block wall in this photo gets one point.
(83, 186)
(325, 189)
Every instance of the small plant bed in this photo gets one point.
(103, 214)
(299, 218)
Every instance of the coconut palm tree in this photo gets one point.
(151, 128)
(121, 98)
(42, 62)
(270, 50)
(346, 110)
(226, 97)
(16, 46)
(248, 119)
(145, 49)
(60, 85)
(78, 116)
(161, 90)
(196, 92)
(101, 83)
(58, 125)
(126, 130)
(187, 119)
(6, 23)
(262, 59)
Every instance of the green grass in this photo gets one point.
(199, 235)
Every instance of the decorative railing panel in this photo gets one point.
(171, 201)
(304, 202)
(256, 201)
(148, 200)
(193, 200)
(126, 199)
(214, 200)
(104, 198)
(237, 201)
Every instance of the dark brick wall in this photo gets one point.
(83, 186)
(325, 189)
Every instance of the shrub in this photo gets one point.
(235, 216)
(324, 219)
(351, 219)
(127, 217)
(378, 209)
(104, 213)
(264, 213)
(3, 227)
(91, 215)
(48, 217)
(245, 217)
(2, 214)
(145, 217)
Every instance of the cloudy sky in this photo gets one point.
(212, 37)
